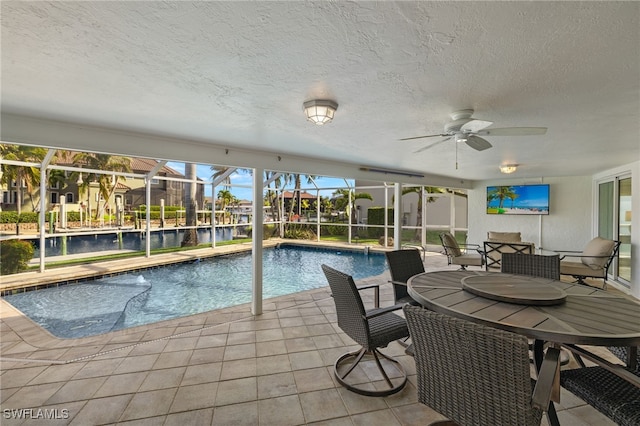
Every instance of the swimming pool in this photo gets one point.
(144, 297)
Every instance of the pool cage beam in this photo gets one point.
(256, 241)
(43, 203)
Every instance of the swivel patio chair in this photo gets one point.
(533, 265)
(403, 264)
(594, 262)
(371, 329)
(471, 373)
(461, 254)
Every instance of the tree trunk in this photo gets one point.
(190, 238)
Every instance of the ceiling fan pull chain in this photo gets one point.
(456, 156)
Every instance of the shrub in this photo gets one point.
(9, 217)
(375, 216)
(15, 256)
(300, 232)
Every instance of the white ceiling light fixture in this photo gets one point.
(508, 168)
(320, 111)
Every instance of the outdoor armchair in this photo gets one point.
(533, 265)
(592, 262)
(461, 254)
(371, 329)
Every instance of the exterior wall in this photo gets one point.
(567, 227)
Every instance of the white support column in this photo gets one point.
(423, 224)
(43, 204)
(148, 218)
(256, 241)
(397, 216)
(213, 215)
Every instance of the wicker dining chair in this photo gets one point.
(534, 265)
(471, 373)
(608, 393)
(371, 329)
(403, 264)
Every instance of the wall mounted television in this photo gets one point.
(518, 199)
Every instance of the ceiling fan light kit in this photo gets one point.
(465, 128)
(320, 111)
(508, 168)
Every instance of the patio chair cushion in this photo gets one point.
(579, 269)
(504, 237)
(452, 245)
(599, 247)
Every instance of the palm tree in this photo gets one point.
(106, 182)
(500, 193)
(25, 177)
(190, 237)
(226, 198)
(342, 201)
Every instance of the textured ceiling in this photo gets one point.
(236, 74)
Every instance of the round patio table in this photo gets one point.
(542, 309)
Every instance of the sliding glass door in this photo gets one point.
(614, 222)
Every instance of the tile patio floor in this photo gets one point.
(218, 368)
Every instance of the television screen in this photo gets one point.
(518, 199)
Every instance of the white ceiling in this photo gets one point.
(236, 74)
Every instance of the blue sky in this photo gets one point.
(204, 172)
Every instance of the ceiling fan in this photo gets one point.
(466, 129)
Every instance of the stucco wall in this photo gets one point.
(567, 227)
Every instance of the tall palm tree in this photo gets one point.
(190, 238)
(500, 193)
(29, 176)
(226, 198)
(343, 196)
(107, 183)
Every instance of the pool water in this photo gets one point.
(144, 297)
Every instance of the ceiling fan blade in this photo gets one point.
(477, 143)
(421, 137)
(513, 131)
(474, 126)
(424, 148)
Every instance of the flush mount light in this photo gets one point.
(320, 111)
(508, 168)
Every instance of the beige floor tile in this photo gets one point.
(241, 338)
(181, 344)
(20, 376)
(236, 391)
(238, 369)
(136, 363)
(77, 390)
(190, 418)
(162, 379)
(273, 364)
(300, 344)
(416, 414)
(357, 403)
(240, 352)
(244, 414)
(32, 396)
(376, 418)
(207, 355)
(98, 368)
(202, 373)
(172, 359)
(276, 385)
(283, 411)
(322, 405)
(270, 348)
(102, 410)
(149, 404)
(269, 335)
(194, 397)
(120, 384)
(304, 360)
(314, 379)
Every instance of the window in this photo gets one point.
(54, 198)
(55, 185)
(69, 197)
